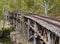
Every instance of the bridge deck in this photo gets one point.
(44, 28)
(55, 28)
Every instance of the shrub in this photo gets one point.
(6, 31)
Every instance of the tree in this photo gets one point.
(56, 10)
(47, 5)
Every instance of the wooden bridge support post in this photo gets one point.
(35, 34)
(28, 27)
(59, 40)
(50, 41)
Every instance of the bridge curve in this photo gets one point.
(51, 25)
(43, 28)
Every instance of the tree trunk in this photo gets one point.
(46, 11)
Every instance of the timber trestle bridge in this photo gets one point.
(33, 28)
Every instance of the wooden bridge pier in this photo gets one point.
(46, 35)
(39, 30)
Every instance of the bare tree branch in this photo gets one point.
(45, 2)
(41, 5)
(51, 7)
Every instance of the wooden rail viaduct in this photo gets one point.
(40, 29)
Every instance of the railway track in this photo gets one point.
(48, 20)
(54, 24)
(43, 17)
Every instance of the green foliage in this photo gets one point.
(5, 41)
(29, 3)
(1, 33)
(32, 6)
(6, 31)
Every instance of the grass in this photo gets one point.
(5, 41)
